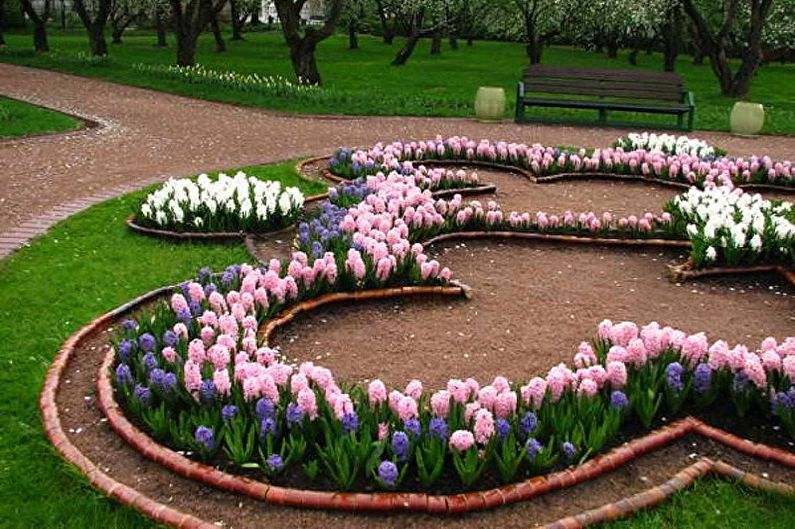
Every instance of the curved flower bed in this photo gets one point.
(545, 161)
(194, 373)
(223, 205)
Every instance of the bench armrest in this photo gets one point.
(520, 89)
(691, 100)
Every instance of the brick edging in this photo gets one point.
(97, 478)
(687, 270)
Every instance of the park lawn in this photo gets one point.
(18, 118)
(366, 84)
(90, 263)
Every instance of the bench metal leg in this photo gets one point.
(680, 120)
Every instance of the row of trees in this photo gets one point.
(721, 31)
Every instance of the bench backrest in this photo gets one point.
(661, 86)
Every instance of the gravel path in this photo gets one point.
(146, 136)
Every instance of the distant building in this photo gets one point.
(313, 12)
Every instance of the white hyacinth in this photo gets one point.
(666, 143)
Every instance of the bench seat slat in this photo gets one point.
(609, 105)
(626, 91)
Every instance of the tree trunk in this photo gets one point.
(533, 47)
(2, 22)
(237, 20)
(161, 29)
(116, 32)
(453, 38)
(405, 52)
(186, 48)
(40, 37)
(633, 56)
(96, 41)
(436, 42)
(612, 48)
(304, 64)
(388, 34)
(353, 39)
(671, 32)
(220, 45)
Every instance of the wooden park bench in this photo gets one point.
(604, 90)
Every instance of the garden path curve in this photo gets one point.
(147, 136)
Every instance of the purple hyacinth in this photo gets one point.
(123, 375)
(196, 308)
(400, 445)
(209, 288)
(702, 378)
(147, 342)
(268, 427)
(227, 278)
(740, 381)
(265, 408)
(170, 338)
(125, 350)
(533, 448)
(618, 400)
(438, 428)
(333, 194)
(143, 394)
(157, 378)
(169, 382)
(569, 450)
(783, 400)
(274, 462)
(204, 273)
(205, 436)
(150, 361)
(207, 391)
(413, 427)
(295, 415)
(228, 412)
(528, 424)
(673, 375)
(388, 472)
(350, 422)
(503, 429)
(129, 325)
(185, 316)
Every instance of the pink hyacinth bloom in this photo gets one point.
(458, 389)
(383, 431)
(636, 352)
(342, 405)
(307, 401)
(169, 354)
(209, 318)
(181, 330)
(440, 404)
(192, 376)
(617, 354)
(266, 355)
(394, 399)
(298, 382)
(505, 405)
(771, 361)
(533, 393)
(376, 392)
(322, 377)
(587, 388)
(753, 369)
(788, 366)
(461, 440)
(407, 408)
(605, 329)
(414, 389)
(196, 351)
(179, 303)
(473, 385)
(501, 384)
(221, 380)
(617, 374)
(487, 396)
(470, 409)
(484, 426)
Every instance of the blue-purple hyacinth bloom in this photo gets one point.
(400, 445)
(350, 422)
(569, 450)
(143, 394)
(503, 429)
(205, 436)
(265, 408)
(528, 424)
(673, 375)
(413, 427)
(438, 428)
(228, 412)
(275, 462)
(618, 400)
(123, 375)
(207, 391)
(170, 338)
(388, 472)
(268, 426)
(147, 342)
(129, 325)
(125, 350)
(533, 448)
(702, 378)
(294, 414)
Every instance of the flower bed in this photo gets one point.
(668, 144)
(546, 161)
(194, 373)
(225, 204)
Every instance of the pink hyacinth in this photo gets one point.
(307, 401)
(617, 374)
(376, 392)
(223, 384)
(461, 440)
(458, 389)
(169, 354)
(505, 405)
(587, 388)
(414, 389)
(484, 426)
(407, 408)
(487, 396)
(298, 382)
(383, 431)
(533, 393)
(440, 404)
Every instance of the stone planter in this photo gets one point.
(747, 118)
(490, 103)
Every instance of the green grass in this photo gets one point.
(715, 504)
(23, 119)
(91, 263)
(443, 85)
